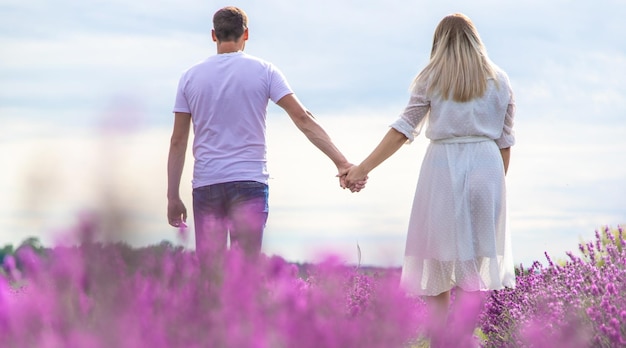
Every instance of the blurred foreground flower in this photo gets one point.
(110, 295)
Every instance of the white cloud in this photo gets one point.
(335, 54)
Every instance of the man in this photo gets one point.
(226, 98)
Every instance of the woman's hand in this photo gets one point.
(354, 178)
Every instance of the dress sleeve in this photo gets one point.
(507, 139)
(412, 120)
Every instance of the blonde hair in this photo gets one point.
(459, 66)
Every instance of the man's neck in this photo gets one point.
(229, 47)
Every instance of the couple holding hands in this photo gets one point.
(457, 235)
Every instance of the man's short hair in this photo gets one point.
(229, 23)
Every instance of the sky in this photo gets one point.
(87, 88)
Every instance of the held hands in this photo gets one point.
(353, 178)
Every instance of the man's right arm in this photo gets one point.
(176, 211)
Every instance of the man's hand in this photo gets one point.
(176, 213)
(355, 178)
(353, 186)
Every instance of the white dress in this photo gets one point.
(457, 235)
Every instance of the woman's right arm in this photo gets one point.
(403, 131)
(390, 143)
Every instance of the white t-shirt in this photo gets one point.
(227, 97)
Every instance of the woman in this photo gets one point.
(456, 235)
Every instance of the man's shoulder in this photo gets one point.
(239, 58)
(257, 60)
(241, 62)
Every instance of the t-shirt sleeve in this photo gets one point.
(507, 139)
(181, 104)
(411, 121)
(279, 87)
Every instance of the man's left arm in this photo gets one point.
(307, 124)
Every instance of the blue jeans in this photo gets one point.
(238, 208)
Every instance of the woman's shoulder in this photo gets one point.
(500, 74)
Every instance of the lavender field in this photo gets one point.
(111, 295)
